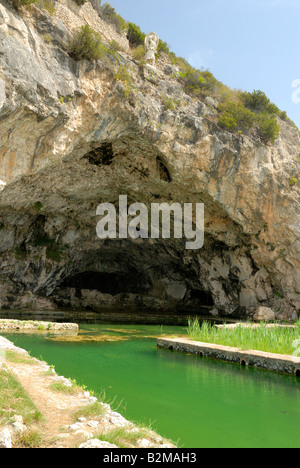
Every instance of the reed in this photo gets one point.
(278, 340)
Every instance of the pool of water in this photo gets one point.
(196, 401)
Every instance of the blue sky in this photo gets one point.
(247, 44)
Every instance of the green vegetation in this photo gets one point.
(236, 117)
(62, 388)
(47, 38)
(21, 252)
(198, 83)
(114, 47)
(293, 181)
(47, 5)
(90, 411)
(29, 439)
(15, 400)
(123, 437)
(139, 53)
(268, 128)
(278, 340)
(53, 250)
(18, 358)
(253, 109)
(87, 45)
(170, 103)
(259, 103)
(38, 206)
(23, 3)
(163, 47)
(122, 74)
(80, 2)
(135, 36)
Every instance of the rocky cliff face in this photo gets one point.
(75, 134)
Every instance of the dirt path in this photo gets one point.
(57, 408)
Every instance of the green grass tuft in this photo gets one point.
(90, 411)
(15, 400)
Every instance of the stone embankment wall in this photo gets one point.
(269, 361)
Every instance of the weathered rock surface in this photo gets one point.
(12, 325)
(5, 439)
(264, 314)
(72, 136)
(18, 426)
(95, 443)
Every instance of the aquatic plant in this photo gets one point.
(274, 339)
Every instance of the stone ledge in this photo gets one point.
(37, 326)
(274, 362)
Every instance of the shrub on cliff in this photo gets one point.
(268, 128)
(266, 113)
(47, 5)
(193, 81)
(135, 36)
(80, 2)
(20, 3)
(163, 47)
(234, 116)
(198, 83)
(139, 53)
(87, 45)
(227, 121)
(259, 103)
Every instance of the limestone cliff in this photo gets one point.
(75, 134)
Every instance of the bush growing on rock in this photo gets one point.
(135, 36)
(47, 5)
(123, 76)
(268, 128)
(235, 116)
(87, 45)
(163, 47)
(23, 3)
(80, 2)
(198, 83)
(139, 53)
(227, 121)
(266, 113)
(114, 47)
(258, 102)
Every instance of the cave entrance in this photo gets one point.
(201, 298)
(128, 277)
(106, 283)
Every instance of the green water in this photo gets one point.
(200, 402)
